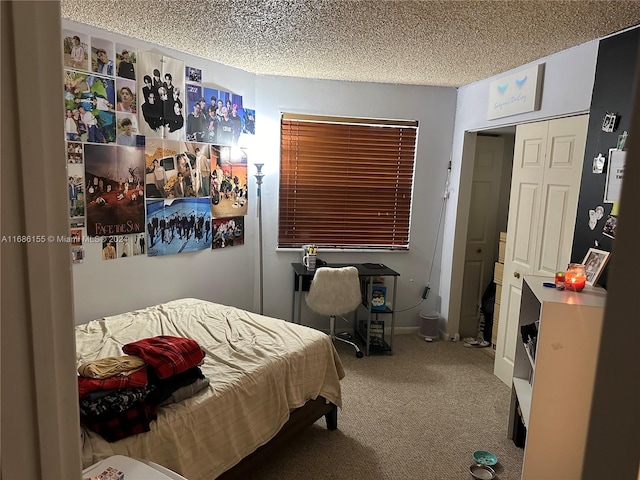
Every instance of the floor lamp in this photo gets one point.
(259, 176)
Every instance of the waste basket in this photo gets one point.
(429, 324)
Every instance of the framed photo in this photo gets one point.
(615, 173)
(594, 262)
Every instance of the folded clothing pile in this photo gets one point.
(119, 396)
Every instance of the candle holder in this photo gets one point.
(575, 278)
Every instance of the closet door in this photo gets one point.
(560, 190)
(547, 168)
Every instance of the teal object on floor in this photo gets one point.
(485, 458)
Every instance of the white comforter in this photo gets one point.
(260, 368)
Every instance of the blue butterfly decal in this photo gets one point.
(503, 87)
(520, 83)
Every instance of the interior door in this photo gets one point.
(560, 190)
(482, 236)
(545, 184)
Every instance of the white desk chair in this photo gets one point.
(335, 291)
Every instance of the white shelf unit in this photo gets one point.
(554, 390)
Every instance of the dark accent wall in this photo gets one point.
(613, 91)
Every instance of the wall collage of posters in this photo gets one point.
(154, 158)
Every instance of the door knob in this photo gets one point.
(479, 250)
(516, 274)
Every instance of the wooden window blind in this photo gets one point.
(346, 182)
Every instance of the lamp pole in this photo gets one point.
(259, 176)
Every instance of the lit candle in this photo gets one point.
(575, 277)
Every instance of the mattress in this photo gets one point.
(260, 368)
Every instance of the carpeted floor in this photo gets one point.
(418, 414)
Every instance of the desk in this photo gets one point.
(367, 272)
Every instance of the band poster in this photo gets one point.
(141, 125)
(178, 225)
(161, 96)
(114, 180)
(229, 182)
(228, 232)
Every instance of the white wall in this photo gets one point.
(226, 275)
(433, 107)
(567, 87)
(230, 275)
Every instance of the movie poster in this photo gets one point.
(161, 95)
(178, 225)
(227, 232)
(229, 182)
(114, 179)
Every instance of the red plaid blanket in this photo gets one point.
(136, 379)
(113, 427)
(167, 355)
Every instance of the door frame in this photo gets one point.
(462, 217)
(500, 133)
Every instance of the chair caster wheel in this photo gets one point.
(359, 354)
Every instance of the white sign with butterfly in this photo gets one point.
(519, 92)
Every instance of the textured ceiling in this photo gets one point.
(448, 43)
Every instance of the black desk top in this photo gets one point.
(364, 269)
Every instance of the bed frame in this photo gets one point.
(299, 419)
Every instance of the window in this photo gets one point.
(346, 182)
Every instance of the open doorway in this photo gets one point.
(492, 152)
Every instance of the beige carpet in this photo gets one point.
(418, 414)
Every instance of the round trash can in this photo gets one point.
(429, 324)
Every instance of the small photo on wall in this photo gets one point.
(77, 254)
(126, 96)
(125, 61)
(76, 237)
(193, 75)
(102, 57)
(127, 129)
(109, 251)
(75, 49)
(74, 152)
(609, 229)
(125, 245)
(138, 244)
(76, 194)
(227, 232)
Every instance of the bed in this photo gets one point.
(268, 379)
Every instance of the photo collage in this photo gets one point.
(155, 158)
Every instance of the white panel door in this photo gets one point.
(524, 205)
(482, 237)
(561, 186)
(545, 184)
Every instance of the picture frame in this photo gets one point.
(615, 174)
(594, 262)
